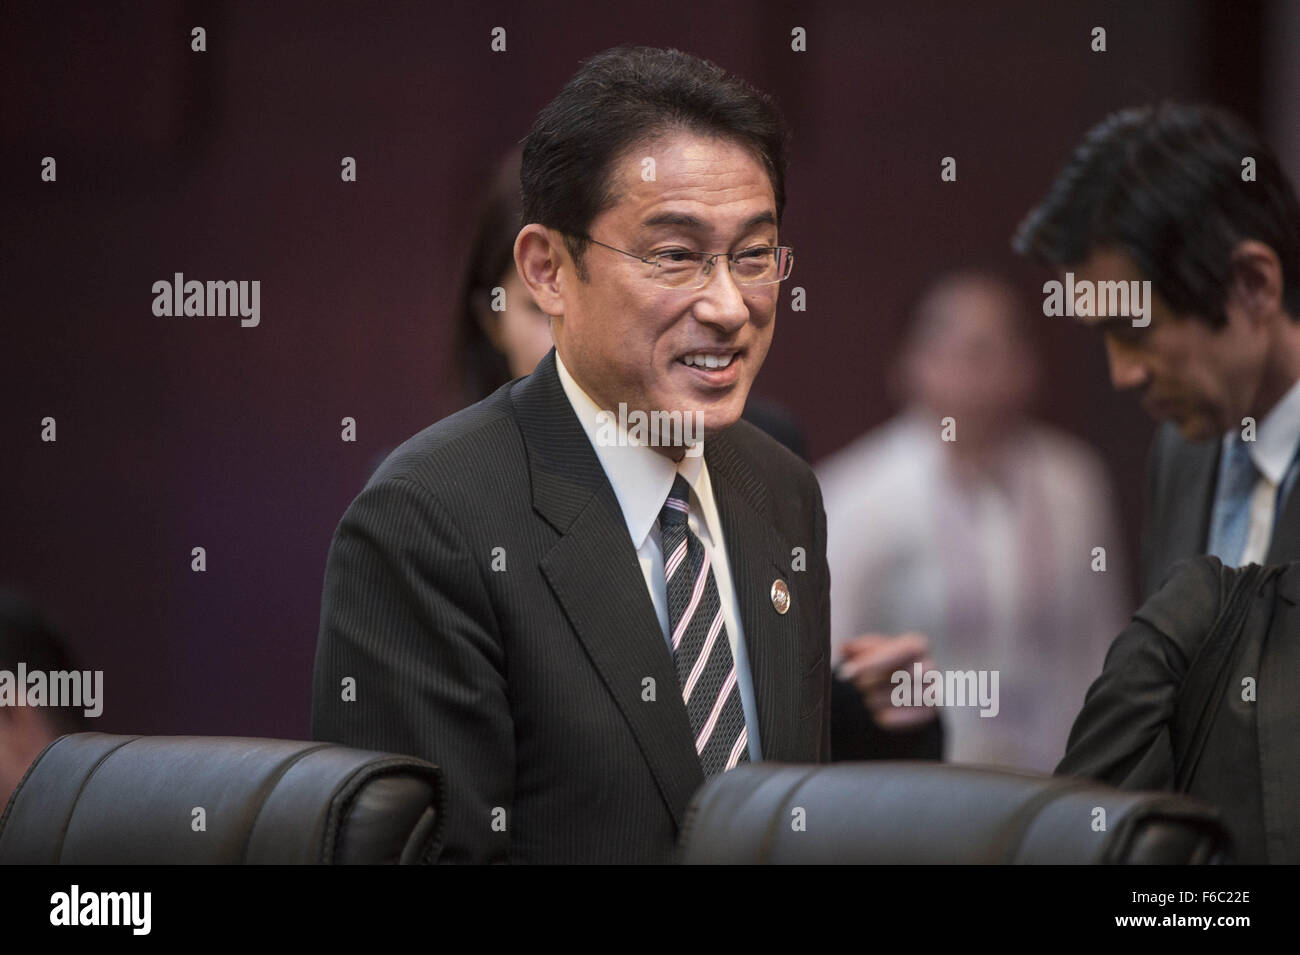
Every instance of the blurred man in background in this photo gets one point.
(965, 522)
(500, 332)
(27, 638)
(1190, 200)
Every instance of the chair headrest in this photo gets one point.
(924, 813)
(97, 798)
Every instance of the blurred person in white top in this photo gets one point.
(978, 550)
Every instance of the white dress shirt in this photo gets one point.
(641, 478)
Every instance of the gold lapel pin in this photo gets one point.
(780, 596)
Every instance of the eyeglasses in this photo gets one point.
(688, 271)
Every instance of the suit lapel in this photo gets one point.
(594, 572)
(1186, 498)
(758, 556)
(1284, 546)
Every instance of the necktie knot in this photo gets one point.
(676, 507)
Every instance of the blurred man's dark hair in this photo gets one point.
(27, 637)
(626, 97)
(1164, 185)
(480, 366)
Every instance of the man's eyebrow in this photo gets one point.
(685, 220)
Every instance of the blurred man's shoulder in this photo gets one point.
(893, 453)
(1069, 459)
(1059, 441)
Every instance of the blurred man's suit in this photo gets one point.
(528, 683)
(1182, 477)
(1135, 719)
(1126, 731)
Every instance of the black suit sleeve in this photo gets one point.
(406, 615)
(1122, 734)
(857, 737)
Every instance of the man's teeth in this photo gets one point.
(709, 361)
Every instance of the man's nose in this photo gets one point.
(723, 301)
(1127, 368)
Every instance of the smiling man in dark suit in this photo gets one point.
(577, 627)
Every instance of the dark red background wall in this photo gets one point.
(183, 432)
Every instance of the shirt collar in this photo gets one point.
(1277, 436)
(640, 475)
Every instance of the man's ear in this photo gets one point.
(540, 257)
(1255, 285)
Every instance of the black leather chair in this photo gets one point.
(918, 812)
(96, 798)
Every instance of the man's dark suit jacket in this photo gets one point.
(484, 594)
(1180, 496)
(1250, 766)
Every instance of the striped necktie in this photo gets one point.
(701, 649)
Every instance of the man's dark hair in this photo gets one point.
(624, 97)
(1164, 185)
(27, 637)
